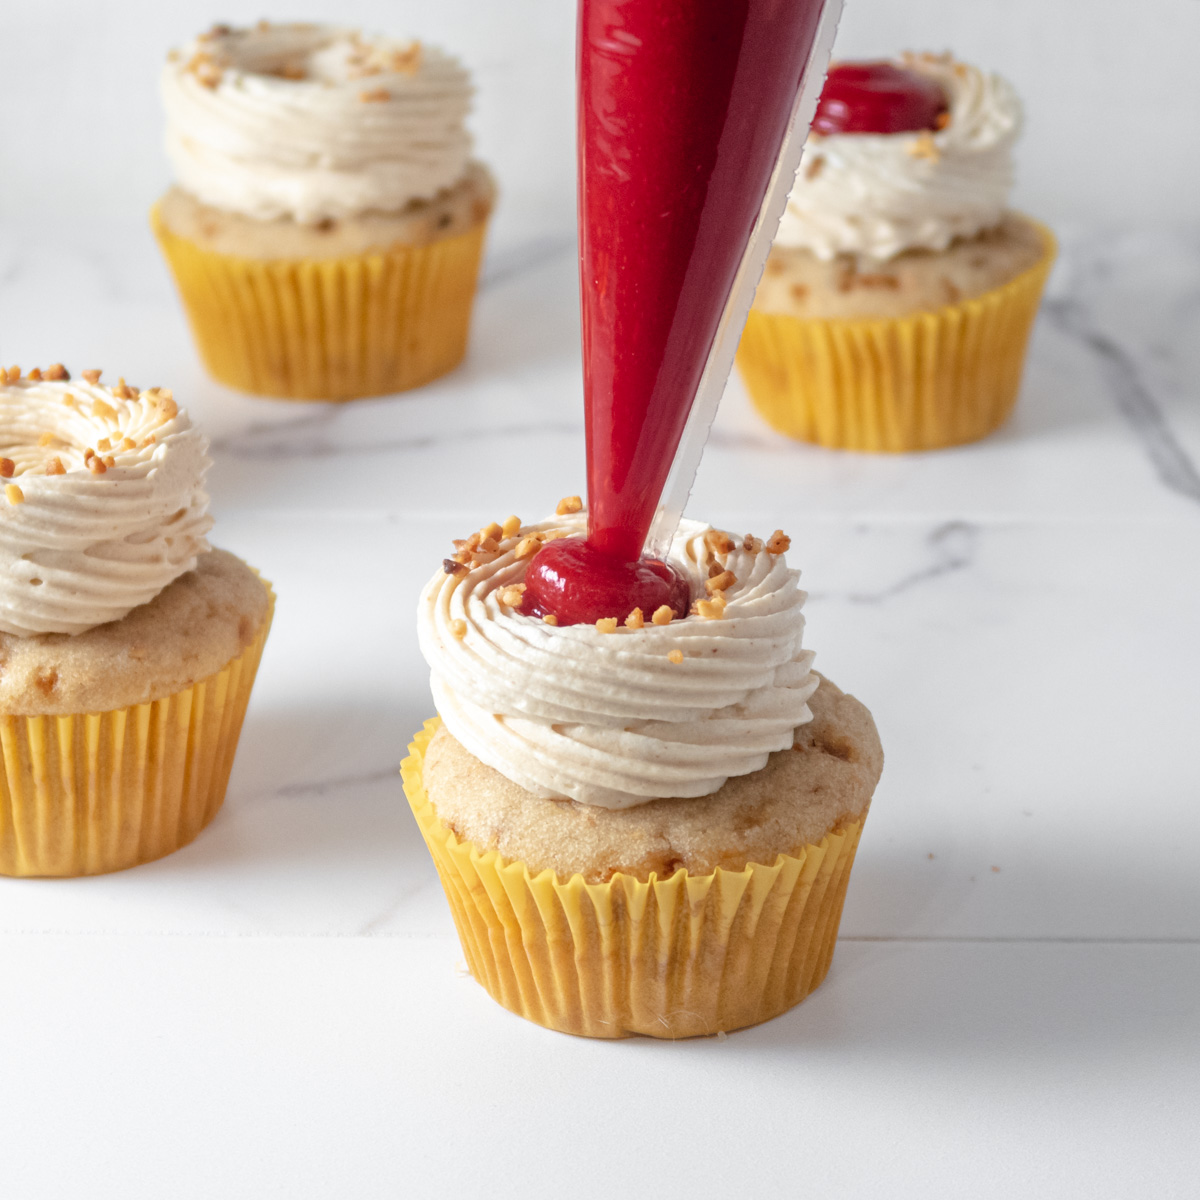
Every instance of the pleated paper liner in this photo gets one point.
(328, 329)
(98, 792)
(921, 382)
(669, 958)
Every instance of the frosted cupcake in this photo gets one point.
(896, 305)
(327, 221)
(128, 646)
(646, 825)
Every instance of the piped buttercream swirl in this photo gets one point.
(83, 542)
(608, 718)
(313, 122)
(877, 195)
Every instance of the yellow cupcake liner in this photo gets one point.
(328, 329)
(919, 382)
(669, 958)
(96, 792)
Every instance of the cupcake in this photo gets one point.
(645, 826)
(897, 302)
(327, 221)
(128, 646)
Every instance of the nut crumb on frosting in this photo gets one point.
(375, 96)
(12, 375)
(453, 566)
(751, 544)
(568, 505)
(14, 494)
(718, 542)
(719, 583)
(527, 547)
(778, 543)
(663, 615)
(55, 466)
(92, 377)
(713, 609)
(458, 627)
(7, 467)
(550, 619)
(56, 371)
(606, 625)
(103, 410)
(635, 620)
(513, 595)
(676, 656)
(511, 526)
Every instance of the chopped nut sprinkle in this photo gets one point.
(14, 494)
(493, 532)
(92, 377)
(712, 609)
(778, 542)
(55, 466)
(719, 583)
(128, 444)
(103, 444)
(123, 391)
(7, 467)
(96, 465)
(676, 656)
(148, 440)
(461, 557)
(458, 627)
(109, 461)
(375, 96)
(635, 620)
(606, 625)
(663, 615)
(489, 545)
(527, 547)
(568, 505)
(104, 411)
(47, 439)
(12, 375)
(923, 146)
(512, 596)
(69, 400)
(35, 375)
(751, 544)
(166, 405)
(550, 619)
(511, 527)
(942, 120)
(56, 371)
(452, 567)
(718, 542)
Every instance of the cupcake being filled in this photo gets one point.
(327, 220)
(645, 824)
(128, 645)
(896, 306)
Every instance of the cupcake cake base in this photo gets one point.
(117, 743)
(672, 919)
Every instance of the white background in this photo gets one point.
(1012, 1011)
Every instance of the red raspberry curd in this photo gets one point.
(683, 107)
(878, 97)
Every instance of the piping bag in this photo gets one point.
(692, 120)
(721, 354)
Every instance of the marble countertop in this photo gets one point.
(282, 1008)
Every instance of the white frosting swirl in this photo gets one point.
(79, 546)
(313, 122)
(877, 195)
(607, 718)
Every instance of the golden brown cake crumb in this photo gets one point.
(189, 631)
(825, 780)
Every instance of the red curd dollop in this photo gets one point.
(579, 585)
(879, 97)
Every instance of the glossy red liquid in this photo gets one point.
(878, 97)
(683, 108)
(580, 585)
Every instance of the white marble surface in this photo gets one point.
(280, 1008)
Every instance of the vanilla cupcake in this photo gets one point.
(327, 221)
(128, 646)
(643, 826)
(896, 305)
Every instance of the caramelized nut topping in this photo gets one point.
(663, 615)
(635, 620)
(55, 466)
(35, 375)
(494, 532)
(751, 544)
(719, 583)
(489, 545)
(104, 444)
(104, 411)
(7, 467)
(606, 625)
(778, 542)
(676, 656)
(56, 371)
(375, 96)
(96, 465)
(13, 494)
(511, 527)
(718, 542)
(550, 619)
(458, 627)
(92, 377)
(12, 375)
(47, 439)
(512, 595)
(527, 547)
(712, 609)
(568, 505)
(451, 567)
